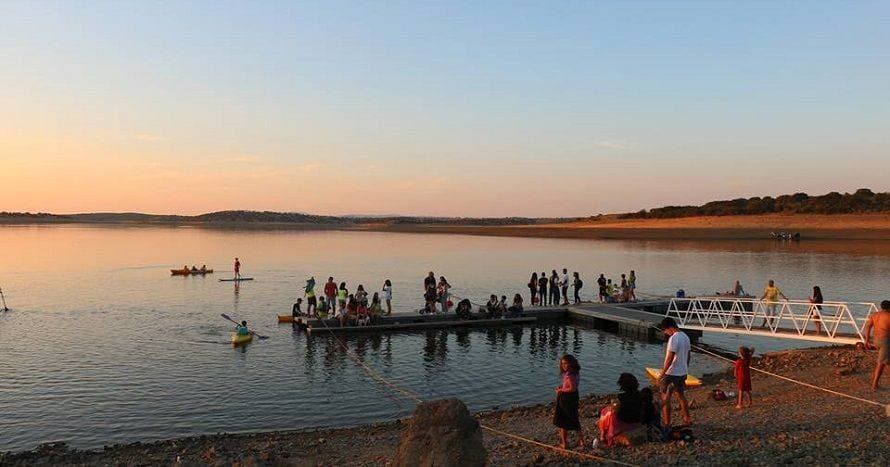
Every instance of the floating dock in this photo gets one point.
(638, 320)
(411, 326)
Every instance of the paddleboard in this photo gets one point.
(237, 280)
(691, 381)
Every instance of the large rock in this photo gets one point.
(441, 433)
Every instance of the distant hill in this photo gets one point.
(860, 202)
(265, 217)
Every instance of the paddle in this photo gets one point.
(238, 324)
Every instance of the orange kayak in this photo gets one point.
(189, 272)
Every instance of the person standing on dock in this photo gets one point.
(816, 308)
(237, 269)
(330, 293)
(577, 283)
(342, 297)
(429, 281)
(632, 285)
(880, 322)
(542, 288)
(387, 295)
(533, 289)
(625, 292)
(674, 370)
(601, 282)
(443, 294)
(554, 287)
(564, 286)
(771, 294)
(311, 300)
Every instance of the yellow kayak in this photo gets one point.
(691, 381)
(239, 339)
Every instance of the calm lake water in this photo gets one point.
(104, 346)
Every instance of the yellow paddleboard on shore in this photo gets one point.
(691, 381)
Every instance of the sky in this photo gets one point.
(551, 108)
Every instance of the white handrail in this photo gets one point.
(841, 322)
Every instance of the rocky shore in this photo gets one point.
(788, 424)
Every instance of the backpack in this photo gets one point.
(680, 434)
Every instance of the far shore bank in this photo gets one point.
(810, 226)
(788, 424)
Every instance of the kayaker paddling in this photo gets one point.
(242, 333)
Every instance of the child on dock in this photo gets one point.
(323, 309)
(296, 311)
(743, 377)
(387, 295)
(565, 414)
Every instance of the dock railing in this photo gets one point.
(840, 322)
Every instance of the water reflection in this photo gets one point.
(540, 340)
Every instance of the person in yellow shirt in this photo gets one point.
(771, 294)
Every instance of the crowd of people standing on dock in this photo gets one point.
(550, 290)
(357, 308)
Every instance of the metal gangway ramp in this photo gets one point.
(841, 322)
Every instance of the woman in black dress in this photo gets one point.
(565, 414)
(816, 308)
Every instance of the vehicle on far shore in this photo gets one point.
(785, 236)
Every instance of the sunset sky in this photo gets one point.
(437, 108)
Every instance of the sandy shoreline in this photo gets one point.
(840, 227)
(811, 226)
(788, 424)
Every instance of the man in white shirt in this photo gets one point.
(564, 286)
(674, 371)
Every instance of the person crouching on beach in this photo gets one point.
(565, 414)
(743, 377)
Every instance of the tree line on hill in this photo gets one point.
(268, 217)
(862, 201)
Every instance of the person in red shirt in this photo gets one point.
(743, 377)
(330, 294)
(237, 269)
